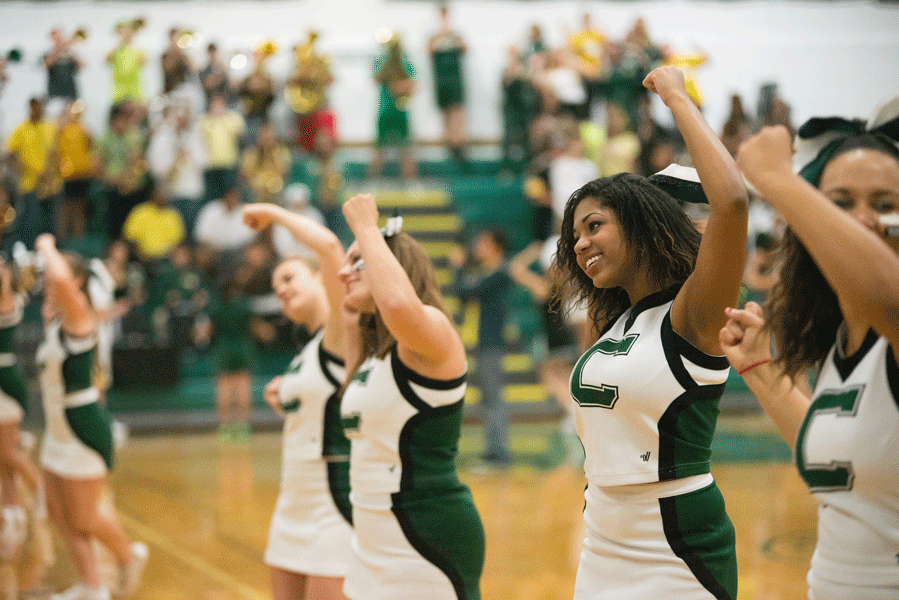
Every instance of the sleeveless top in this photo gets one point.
(847, 452)
(66, 365)
(647, 399)
(404, 431)
(308, 394)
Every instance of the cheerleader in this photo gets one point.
(309, 538)
(77, 450)
(835, 310)
(14, 460)
(417, 533)
(647, 391)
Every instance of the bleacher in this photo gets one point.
(156, 388)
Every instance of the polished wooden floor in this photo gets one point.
(203, 508)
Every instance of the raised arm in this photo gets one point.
(423, 330)
(747, 345)
(324, 243)
(698, 311)
(60, 282)
(862, 270)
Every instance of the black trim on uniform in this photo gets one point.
(432, 556)
(338, 486)
(846, 364)
(670, 347)
(399, 368)
(651, 301)
(695, 355)
(893, 375)
(330, 357)
(324, 357)
(682, 549)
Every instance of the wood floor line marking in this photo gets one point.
(154, 537)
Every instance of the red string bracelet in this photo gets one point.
(751, 367)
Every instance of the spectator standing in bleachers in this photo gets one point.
(622, 80)
(176, 157)
(489, 288)
(215, 77)
(447, 49)
(265, 166)
(222, 130)
(568, 171)
(77, 167)
(621, 150)
(566, 87)
(520, 105)
(30, 146)
(737, 128)
(257, 92)
(122, 167)
(127, 64)
(175, 63)
(395, 76)
(62, 63)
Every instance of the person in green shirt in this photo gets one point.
(396, 77)
(447, 49)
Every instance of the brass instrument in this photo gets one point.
(134, 24)
(305, 91)
(267, 48)
(49, 180)
(394, 77)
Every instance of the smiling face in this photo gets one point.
(864, 183)
(355, 278)
(600, 247)
(299, 289)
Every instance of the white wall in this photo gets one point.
(829, 58)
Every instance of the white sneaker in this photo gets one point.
(14, 530)
(130, 574)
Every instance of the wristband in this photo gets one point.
(752, 366)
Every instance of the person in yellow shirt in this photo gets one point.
(28, 147)
(222, 130)
(76, 163)
(154, 228)
(127, 64)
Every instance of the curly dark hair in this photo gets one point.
(803, 312)
(655, 229)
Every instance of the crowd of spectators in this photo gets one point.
(161, 188)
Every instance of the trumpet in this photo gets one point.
(134, 24)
